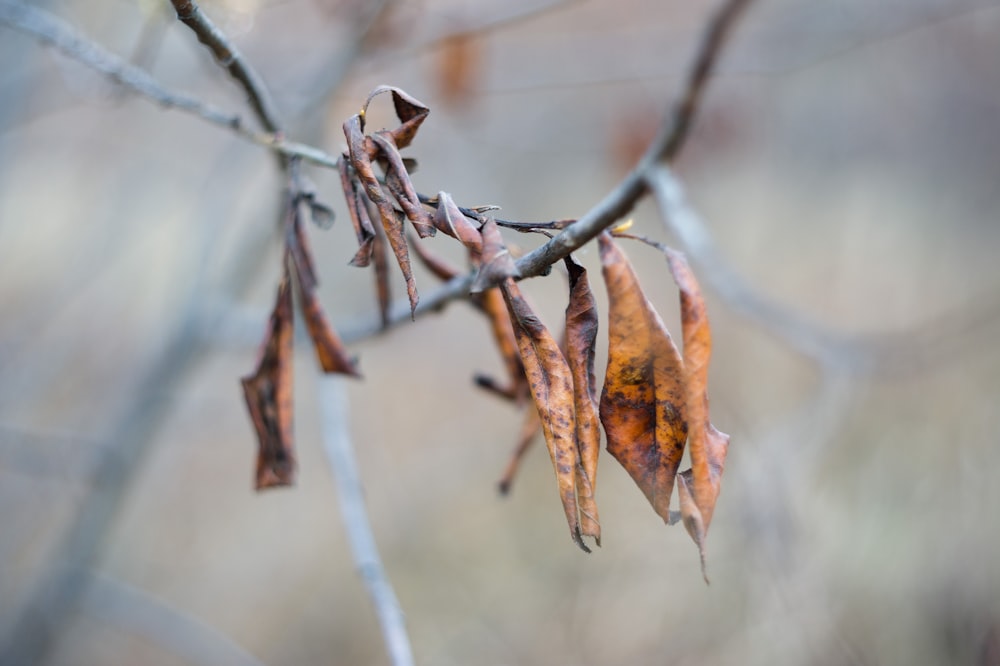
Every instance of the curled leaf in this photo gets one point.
(360, 219)
(581, 339)
(410, 111)
(392, 225)
(643, 399)
(497, 264)
(451, 221)
(268, 393)
(551, 384)
(708, 446)
(398, 182)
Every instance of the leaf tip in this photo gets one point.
(578, 539)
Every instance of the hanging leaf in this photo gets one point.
(581, 339)
(392, 226)
(297, 244)
(708, 446)
(643, 400)
(496, 311)
(360, 219)
(330, 351)
(268, 393)
(530, 427)
(551, 384)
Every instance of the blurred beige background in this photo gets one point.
(846, 163)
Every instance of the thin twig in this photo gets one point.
(340, 453)
(336, 438)
(617, 203)
(796, 331)
(229, 57)
(53, 31)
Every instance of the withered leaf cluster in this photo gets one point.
(362, 186)
(654, 401)
(268, 390)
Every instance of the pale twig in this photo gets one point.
(332, 397)
(336, 438)
(804, 336)
(229, 57)
(51, 30)
(617, 203)
(882, 354)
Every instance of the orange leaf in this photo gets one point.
(643, 400)
(551, 384)
(708, 446)
(268, 393)
(581, 338)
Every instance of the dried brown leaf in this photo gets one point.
(581, 339)
(502, 328)
(330, 350)
(551, 384)
(397, 180)
(410, 111)
(643, 400)
(451, 221)
(363, 227)
(497, 264)
(297, 244)
(268, 393)
(708, 446)
(392, 225)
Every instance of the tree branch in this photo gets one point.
(229, 57)
(337, 444)
(53, 31)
